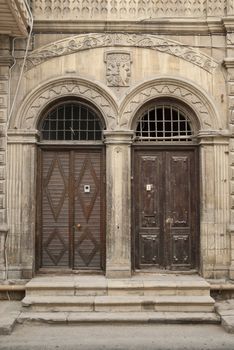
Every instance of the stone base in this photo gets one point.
(231, 273)
(121, 317)
(118, 273)
(2, 273)
(15, 272)
(216, 273)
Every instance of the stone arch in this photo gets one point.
(39, 99)
(181, 90)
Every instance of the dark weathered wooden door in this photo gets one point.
(71, 209)
(165, 208)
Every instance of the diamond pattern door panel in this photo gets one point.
(71, 199)
(55, 209)
(87, 210)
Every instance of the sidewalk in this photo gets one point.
(117, 337)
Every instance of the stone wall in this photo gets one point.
(194, 66)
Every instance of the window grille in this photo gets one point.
(164, 123)
(70, 122)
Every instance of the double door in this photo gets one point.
(70, 209)
(165, 209)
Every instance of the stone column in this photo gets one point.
(118, 180)
(214, 155)
(5, 63)
(21, 202)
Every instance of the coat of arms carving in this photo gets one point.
(118, 68)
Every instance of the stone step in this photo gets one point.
(101, 286)
(120, 317)
(128, 303)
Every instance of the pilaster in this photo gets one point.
(118, 176)
(215, 212)
(21, 202)
(5, 62)
(229, 65)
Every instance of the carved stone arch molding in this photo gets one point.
(169, 87)
(33, 105)
(83, 42)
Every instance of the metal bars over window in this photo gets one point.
(71, 122)
(164, 123)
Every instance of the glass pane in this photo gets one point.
(71, 122)
(163, 123)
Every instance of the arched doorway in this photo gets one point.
(70, 225)
(165, 188)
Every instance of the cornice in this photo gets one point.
(228, 62)
(118, 137)
(6, 60)
(20, 13)
(228, 23)
(159, 26)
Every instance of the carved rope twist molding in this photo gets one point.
(69, 89)
(160, 90)
(84, 42)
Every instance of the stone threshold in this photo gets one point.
(121, 317)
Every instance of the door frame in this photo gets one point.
(137, 147)
(38, 244)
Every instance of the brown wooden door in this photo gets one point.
(165, 209)
(71, 209)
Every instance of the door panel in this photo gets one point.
(178, 209)
(71, 209)
(87, 210)
(55, 209)
(150, 168)
(165, 209)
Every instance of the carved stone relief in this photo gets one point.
(84, 42)
(175, 89)
(126, 9)
(20, 13)
(62, 88)
(116, 114)
(230, 39)
(118, 68)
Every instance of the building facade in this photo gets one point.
(116, 144)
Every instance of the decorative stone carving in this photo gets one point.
(230, 38)
(118, 68)
(169, 87)
(216, 7)
(34, 105)
(153, 42)
(21, 14)
(126, 9)
(230, 7)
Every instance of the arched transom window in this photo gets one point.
(71, 121)
(164, 123)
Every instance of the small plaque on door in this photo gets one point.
(149, 187)
(86, 188)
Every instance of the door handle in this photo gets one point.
(78, 226)
(169, 221)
